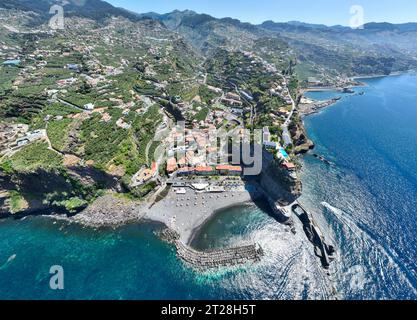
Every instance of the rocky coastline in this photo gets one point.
(185, 215)
(110, 210)
(311, 107)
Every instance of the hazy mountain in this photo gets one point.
(384, 26)
(207, 33)
(93, 9)
(378, 48)
(320, 50)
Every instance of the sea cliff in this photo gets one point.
(279, 184)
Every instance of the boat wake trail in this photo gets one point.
(11, 258)
(289, 269)
(367, 268)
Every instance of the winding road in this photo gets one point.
(286, 136)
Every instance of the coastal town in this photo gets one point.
(70, 105)
(203, 150)
(135, 112)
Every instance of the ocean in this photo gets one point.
(364, 201)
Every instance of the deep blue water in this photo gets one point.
(366, 203)
(369, 196)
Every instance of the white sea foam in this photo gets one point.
(374, 260)
(358, 279)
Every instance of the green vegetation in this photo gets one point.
(16, 201)
(174, 89)
(7, 75)
(74, 97)
(144, 128)
(144, 190)
(59, 109)
(226, 68)
(52, 110)
(32, 157)
(202, 114)
(189, 93)
(146, 89)
(206, 95)
(106, 143)
(152, 149)
(58, 133)
(101, 140)
(128, 156)
(123, 83)
(305, 71)
(7, 167)
(59, 62)
(21, 108)
(73, 204)
(293, 86)
(72, 196)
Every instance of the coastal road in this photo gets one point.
(69, 104)
(252, 107)
(286, 137)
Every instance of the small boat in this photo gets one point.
(322, 159)
(348, 90)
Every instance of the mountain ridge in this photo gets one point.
(327, 51)
(94, 9)
(87, 7)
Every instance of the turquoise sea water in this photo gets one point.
(366, 203)
(127, 263)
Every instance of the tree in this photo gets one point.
(84, 88)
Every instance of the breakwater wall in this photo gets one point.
(207, 260)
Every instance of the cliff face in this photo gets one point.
(5, 184)
(51, 191)
(279, 184)
(302, 144)
(27, 192)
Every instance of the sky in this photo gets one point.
(329, 12)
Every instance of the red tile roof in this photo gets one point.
(228, 168)
(171, 165)
(204, 169)
(289, 165)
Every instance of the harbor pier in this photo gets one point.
(207, 260)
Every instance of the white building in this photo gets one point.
(89, 106)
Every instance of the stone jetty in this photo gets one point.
(207, 260)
